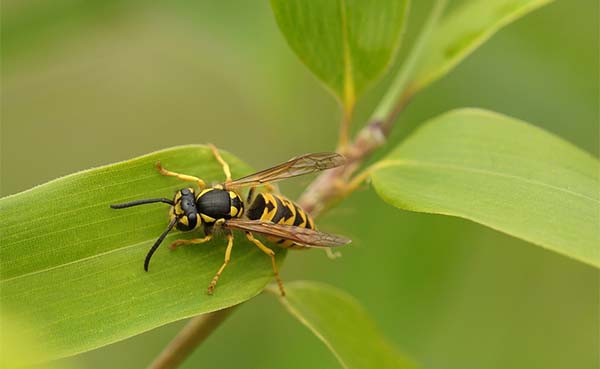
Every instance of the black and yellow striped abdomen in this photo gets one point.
(269, 207)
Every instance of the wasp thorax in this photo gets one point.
(184, 209)
(214, 204)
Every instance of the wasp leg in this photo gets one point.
(332, 254)
(271, 253)
(194, 241)
(271, 188)
(183, 177)
(223, 163)
(213, 283)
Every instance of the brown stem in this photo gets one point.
(186, 341)
(331, 186)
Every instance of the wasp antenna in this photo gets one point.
(142, 202)
(158, 242)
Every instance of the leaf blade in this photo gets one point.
(83, 286)
(500, 172)
(462, 31)
(326, 311)
(347, 44)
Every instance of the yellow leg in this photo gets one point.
(177, 243)
(271, 253)
(333, 254)
(213, 283)
(183, 177)
(271, 188)
(224, 164)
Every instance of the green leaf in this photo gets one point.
(72, 268)
(464, 30)
(338, 320)
(18, 348)
(347, 44)
(397, 94)
(501, 172)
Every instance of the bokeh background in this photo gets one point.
(86, 83)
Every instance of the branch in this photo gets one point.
(330, 186)
(192, 335)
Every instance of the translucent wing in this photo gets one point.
(298, 166)
(301, 236)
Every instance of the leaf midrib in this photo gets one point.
(348, 79)
(76, 261)
(39, 271)
(390, 163)
(99, 205)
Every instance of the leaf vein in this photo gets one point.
(403, 162)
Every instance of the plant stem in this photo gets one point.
(186, 341)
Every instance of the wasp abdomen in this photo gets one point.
(279, 210)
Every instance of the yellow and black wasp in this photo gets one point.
(274, 216)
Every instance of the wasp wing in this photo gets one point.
(298, 166)
(301, 236)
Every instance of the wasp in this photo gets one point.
(221, 206)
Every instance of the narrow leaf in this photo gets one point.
(18, 349)
(464, 30)
(71, 268)
(343, 325)
(397, 93)
(501, 172)
(347, 44)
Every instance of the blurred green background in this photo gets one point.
(86, 83)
